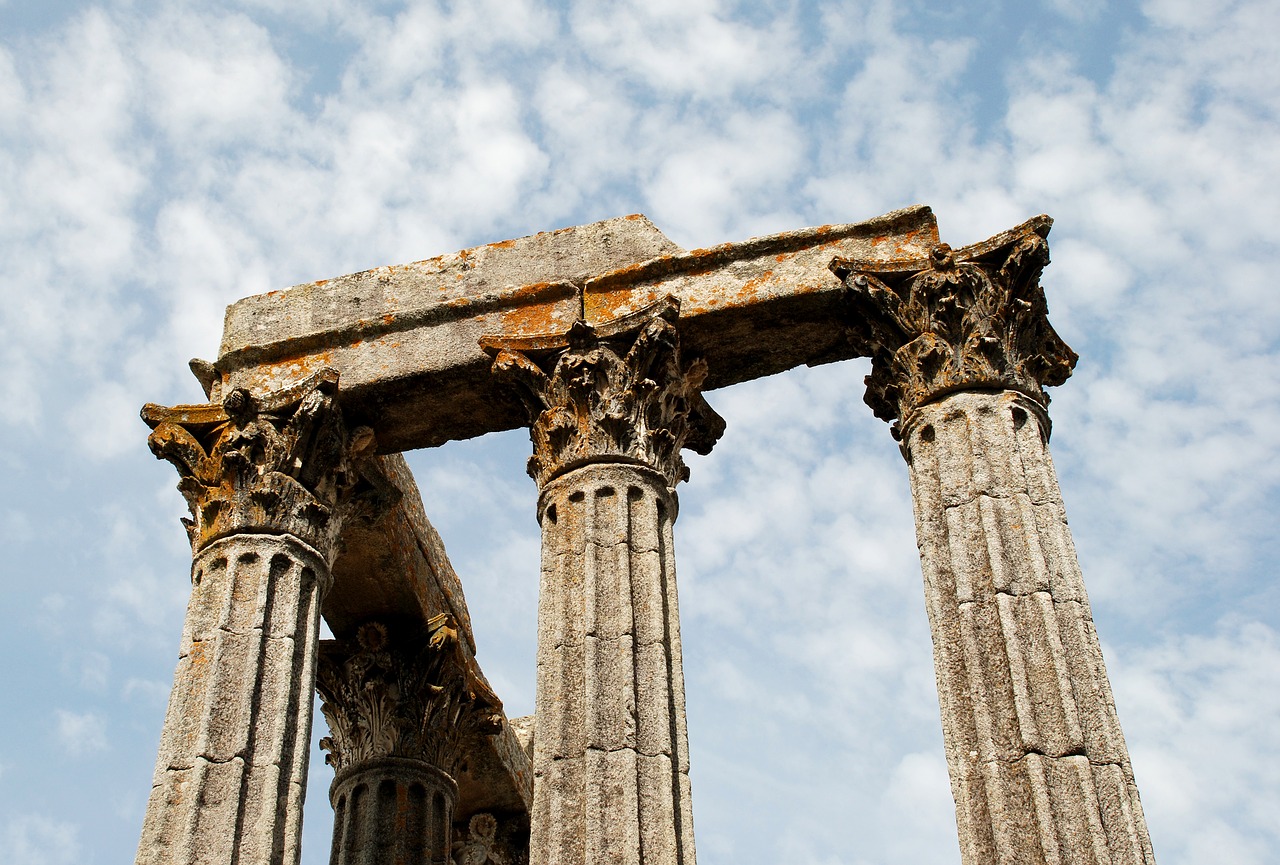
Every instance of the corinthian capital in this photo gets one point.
(961, 319)
(416, 694)
(610, 393)
(281, 462)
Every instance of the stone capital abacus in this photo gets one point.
(278, 463)
(618, 392)
(968, 319)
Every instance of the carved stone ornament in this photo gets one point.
(961, 319)
(615, 392)
(282, 462)
(417, 695)
(481, 846)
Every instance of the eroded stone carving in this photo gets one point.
(281, 462)
(610, 393)
(962, 351)
(956, 320)
(417, 696)
(480, 847)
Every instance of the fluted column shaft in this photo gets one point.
(392, 811)
(269, 480)
(611, 754)
(231, 772)
(962, 350)
(1038, 763)
(610, 407)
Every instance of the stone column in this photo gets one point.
(402, 709)
(269, 480)
(610, 409)
(961, 349)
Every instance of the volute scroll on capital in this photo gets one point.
(967, 319)
(282, 462)
(613, 392)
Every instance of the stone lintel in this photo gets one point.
(405, 338)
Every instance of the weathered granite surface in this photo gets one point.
(405, 338)
(286, 503)
(232, 767)
(610, 409)
(961, 352)
(1038, 763)
(270, 479)
(604, 337)
(406, 707)
(392, 810)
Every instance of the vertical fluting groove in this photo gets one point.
(628, 592)
(594, 807)
(1087, 784)
(191, 824)
(1038, 764)
(266, 584)
(1001, 580)
(292, 785)
(419, 806)
(1028, 733)
(397, 810)
(228, 782)
(441, 818)
(1047, 837)
(1002, 831)
(339, 830)
(1071, 729)
(612, 788)
(682, 794)
(356, 836)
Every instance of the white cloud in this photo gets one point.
(31, 839)
(79, 734)
(687, 48)
(154, 693)
(12, 93)
(707, 178)
(1198, 707)
(212, 80)
(94, 670)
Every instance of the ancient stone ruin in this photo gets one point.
(603, 340)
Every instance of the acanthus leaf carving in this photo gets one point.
(615, 392)
(280, 462)
(410, 692)
(956, 320)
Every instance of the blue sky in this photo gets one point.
(158, 161)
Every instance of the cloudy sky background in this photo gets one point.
(160, 160)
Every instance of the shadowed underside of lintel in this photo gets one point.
(405, 338)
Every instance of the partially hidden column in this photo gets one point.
(961, 349)
(269, 480)
(610, 409)
(403, 705)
